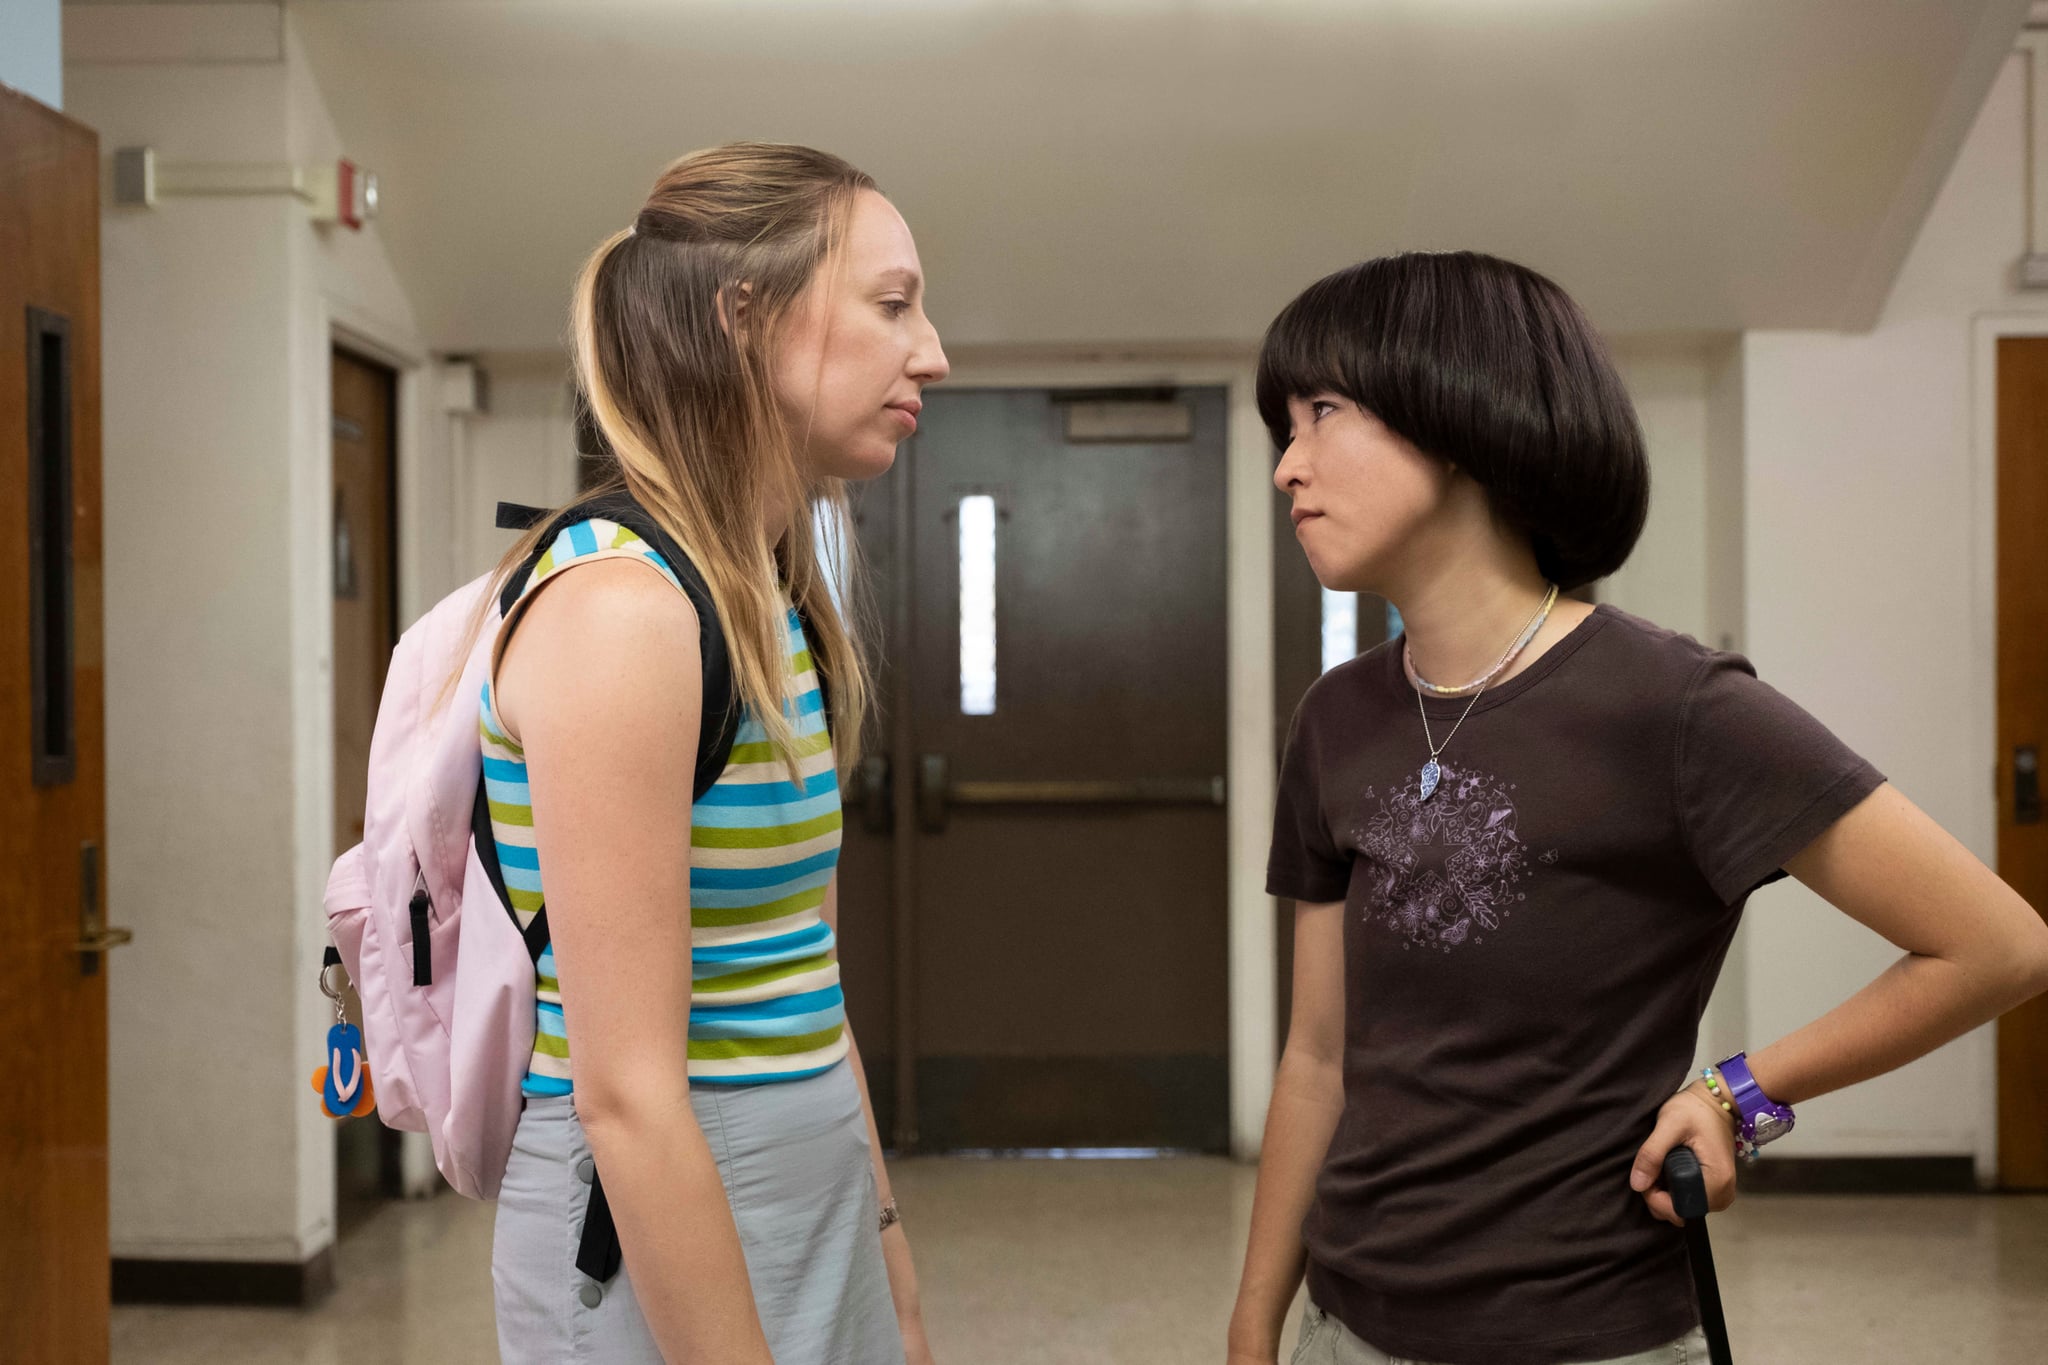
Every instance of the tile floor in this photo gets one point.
(1134, 1263)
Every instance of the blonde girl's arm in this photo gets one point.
(602, 685)
(895, 1241)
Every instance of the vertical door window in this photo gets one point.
(978, 605)
(53, 705)
(1340, 628)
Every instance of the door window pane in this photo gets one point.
(978, 605)
(1340, 628)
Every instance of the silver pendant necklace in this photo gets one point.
(1432, 775)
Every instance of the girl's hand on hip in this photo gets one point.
(1691, 1118)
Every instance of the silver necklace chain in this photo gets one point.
(1432, 772)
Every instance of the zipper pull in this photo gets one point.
(422, 934)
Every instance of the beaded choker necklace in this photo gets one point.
(1428, 688)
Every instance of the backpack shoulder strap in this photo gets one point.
(719, 722)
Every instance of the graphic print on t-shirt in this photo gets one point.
(1446, 870)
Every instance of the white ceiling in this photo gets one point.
(1172, 171)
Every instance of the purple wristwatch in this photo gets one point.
(1759, 1119)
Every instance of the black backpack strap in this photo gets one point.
(597, 1251)
(719, 721)
(517, 516)
(824, 683)
(536, 931)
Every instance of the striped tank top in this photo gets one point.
(766, 1003)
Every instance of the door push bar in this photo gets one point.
(937, 792)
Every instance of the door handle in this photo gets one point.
(877, 813)
(94, 937)
(2026, 784)
(933, 788)
(1155, 791)
(936, 791)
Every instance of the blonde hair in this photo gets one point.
(679, 380)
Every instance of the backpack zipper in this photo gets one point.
(422, 933)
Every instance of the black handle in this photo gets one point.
(1687, 1185)
(934, 788)
(877, 809)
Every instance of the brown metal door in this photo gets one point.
(365, 574)
(53, 999)
(365, 549)
(2023, 733)
(869, 934)
(1058, 845)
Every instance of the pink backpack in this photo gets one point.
(448, 1048)
(449, 1028)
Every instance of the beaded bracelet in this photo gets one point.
(1713, 1080)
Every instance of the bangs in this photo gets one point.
(1303, 355)
(1358, 334)
(1489, 367)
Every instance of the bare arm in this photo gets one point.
(1308, 1099)
(602, 683)
(1974, 949)
(895, 1242)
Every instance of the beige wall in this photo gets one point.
(523, 449)
(1820, 504)
(218, 315)
(1666, 579)
(1864, 532)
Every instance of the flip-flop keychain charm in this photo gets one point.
(344, 1083)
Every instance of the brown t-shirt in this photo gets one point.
(1526, 958)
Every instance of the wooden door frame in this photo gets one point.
(1981, 694)
(1248, 566)
(420, 580)
(423, 574)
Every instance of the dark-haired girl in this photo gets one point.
(1520, 837)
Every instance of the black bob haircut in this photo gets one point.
(1487, 366)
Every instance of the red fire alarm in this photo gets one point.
(355, 195)
(343, 193)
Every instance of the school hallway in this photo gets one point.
(1135, 1262)
(284, 287)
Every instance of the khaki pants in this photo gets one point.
(1326, 1341)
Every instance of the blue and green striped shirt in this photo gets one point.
(766, 1003)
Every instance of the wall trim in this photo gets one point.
(1987, 329)
(1860, 1175)
(289, 1284)
(423, 575)
(355, 330)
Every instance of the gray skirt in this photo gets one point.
(794, 1159)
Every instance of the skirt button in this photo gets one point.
(591, 1294)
